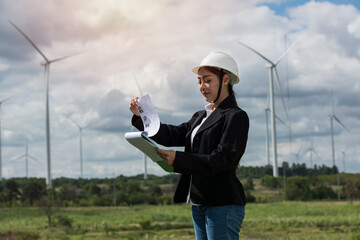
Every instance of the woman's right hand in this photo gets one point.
(134, 107)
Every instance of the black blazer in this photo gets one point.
(211, 163)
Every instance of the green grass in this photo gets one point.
(277, 220)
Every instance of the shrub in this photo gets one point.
(320, 191)
(250, 198)
(297, 188)
(145, 224)
(270, 182)
(248, 184)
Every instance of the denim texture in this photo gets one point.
(218, 223)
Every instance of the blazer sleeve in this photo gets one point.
(227, 154)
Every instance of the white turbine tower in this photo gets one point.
(144, 155)
(344, 156)
(267, 110)
(297, 155)
(272, 71)
(80, 143)
(311, 150)
(1, 102)
(46, 65)
(26, 156)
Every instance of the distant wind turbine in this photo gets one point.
(332, 117)
(311, 150)
(1, 102)
(46, 65)
(159, 109)
(26, 156)
(272, 71)
(297, 155)
(344, 156)
(80, 143)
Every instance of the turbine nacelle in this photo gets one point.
(269, 65)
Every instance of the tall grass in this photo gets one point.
(278, 220)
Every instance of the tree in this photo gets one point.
(67, 192)
(321, 191)
(270, 182)
(248, 184)
(298, 188)
(11, 190)
(33, 190)
(352, 189)
(94, 189)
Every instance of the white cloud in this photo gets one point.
(159, 43)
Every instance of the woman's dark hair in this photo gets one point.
(220, 73)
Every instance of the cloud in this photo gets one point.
(158, 43)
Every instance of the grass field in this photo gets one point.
(278, 220)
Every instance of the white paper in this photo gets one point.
(148, 115)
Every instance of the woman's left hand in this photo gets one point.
(167, 155)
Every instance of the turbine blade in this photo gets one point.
(138, 86)
(33, 158)
(29, 40)
(18, 158)
(266, 59)
(59, 59)
(141, 93)
(75, 123)
(280, 91)
(286, 52)
(4, 100)
(278, 118)
(338, 120)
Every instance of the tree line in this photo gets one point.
(300, 183)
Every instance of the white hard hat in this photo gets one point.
(223, 61)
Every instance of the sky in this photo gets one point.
(158, 43)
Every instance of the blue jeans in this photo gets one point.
(218, 223)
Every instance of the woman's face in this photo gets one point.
(208, 84)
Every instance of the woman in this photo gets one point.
(214, 141)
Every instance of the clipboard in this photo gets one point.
(141, 141)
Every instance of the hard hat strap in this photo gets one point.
(222, 74)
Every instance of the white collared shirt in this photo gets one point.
(208, 110)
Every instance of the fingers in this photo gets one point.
(167, 156)
(160, 152)
(134, 107)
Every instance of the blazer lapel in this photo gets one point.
(217, 114)
(197, 121)
(212, 119)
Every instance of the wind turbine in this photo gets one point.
(311, 150)
(272, 71)
(144, 155)
(26, 156)
(160, 109)
(344, 156)
(80, 142)
(297, 155)
(1, 102)
(332, 117)
(46, 65)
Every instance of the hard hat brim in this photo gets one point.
(196, 71)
